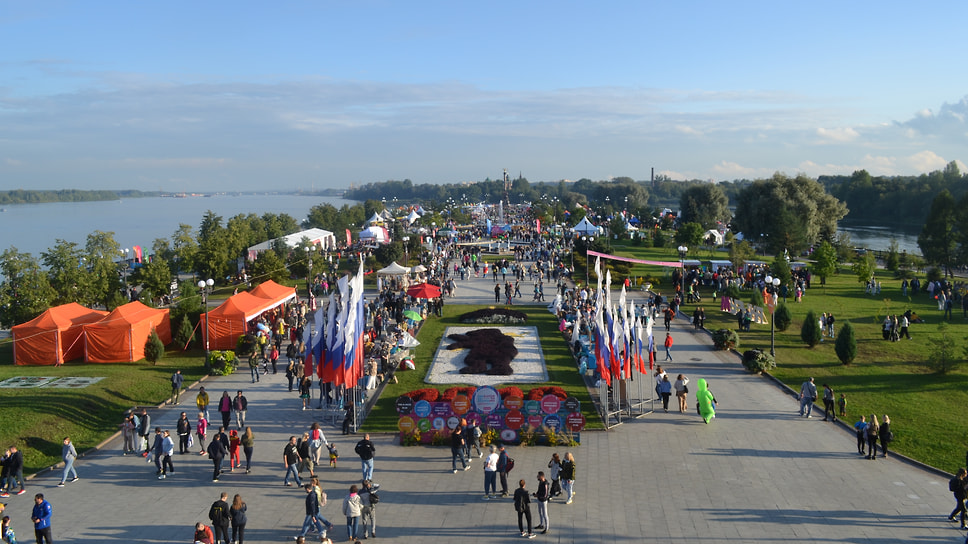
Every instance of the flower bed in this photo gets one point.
(495, 316)
(538, 393)
(451, 393)
(429, 395)
(511, 391)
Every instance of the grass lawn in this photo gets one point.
(38, 419)
(927, 409)
(562, 370)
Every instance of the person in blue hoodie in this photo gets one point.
(41, 517)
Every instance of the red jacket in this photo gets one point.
(205, 535)
(668, 341)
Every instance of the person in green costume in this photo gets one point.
(705, 401)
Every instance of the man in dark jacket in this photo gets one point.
(219, 514)
(184, 430)
(176, 384)
(957, 486)
(457, 448)
(216, 452)
(522, 505)
(312, 514)
(366, 451)
(543, 495)
(502, 469)
(144, 430)
(15, 471)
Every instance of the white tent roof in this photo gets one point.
(413, 216)
(317, 237)
(393, 270)
(387, 215)
(585, 227)
(375, 219)
(421, 211)
(714, 233)
(375, 233)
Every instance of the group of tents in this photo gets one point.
(71, 331)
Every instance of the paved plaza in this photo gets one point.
(756, 474)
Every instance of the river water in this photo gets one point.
(35, 228)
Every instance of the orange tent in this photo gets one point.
(121, 335)
(54, 336)
(229, 321)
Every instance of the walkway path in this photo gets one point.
(756, 474)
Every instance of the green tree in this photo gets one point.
(185, 334)
(939, 237)
(154, 348)
(739, 253)
(690, 235)
(388, 253)
(705, 204)
(810, 331)
(893, 261)
(825, 265)
(780, 268)
(102, 255)
(154, 277)
(268, 266)
(846, 344)
(25, 291)
(756, 298)
(211, 259)
(864, 267)
(782, 317)
(67, 273)
(184, 249)
(942, 357)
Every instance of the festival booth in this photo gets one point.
(375, 234)
(324, 239)
(585, 228)
(121, 335)
(53, 337)
(223, 326)
(393, 269)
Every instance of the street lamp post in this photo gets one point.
(205, 286)
(588, 242)
(772, 284)
(309, 273)
(682, 270)
(406, 250)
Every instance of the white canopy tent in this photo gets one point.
(585, 228)
(393, 269)
(716, 235)
(377, 218)
(375, 234)
(413, 216)
(317, 237)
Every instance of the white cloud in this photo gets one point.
(839, 135)
(727, 170)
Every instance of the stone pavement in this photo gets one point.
(757, 473)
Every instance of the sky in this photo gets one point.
(225, 96)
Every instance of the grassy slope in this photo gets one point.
(927, 409)
(562, 370)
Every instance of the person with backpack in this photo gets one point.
(216, 452)
(957, 486)
(368, 493)
(504, 465)
(219, 514)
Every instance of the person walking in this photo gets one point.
(167, 450)
(201, 429)
(201, 401)
(490, 473)
(144, 431)
(353, 509)
(219, 514)
(216, 452)
(885, 434)
(555, 467)
(225, 408)
(305, 390)
(861, 429)
(568, 471)
(184, 431)
(543, 495)
(239, 405)
(522, 505)
(316, 441)
(665, 391)
(368, 493)
(41, 515)
(238, 518)
(828, 404)
(290, 458)
(808, 394)
(957, 486)
(68, 454)
(457, 449)
(668, 346)
(254, 367)
(502, 469)
(682, 392)
(313, 519)
(176, 384)
(248, 446)
(235, 446)
(366, 451)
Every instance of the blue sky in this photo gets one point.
(285, 95)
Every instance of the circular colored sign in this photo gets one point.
(486, 399)
(494, 421)
(553, 422)
(532, 407)
(535, 421)
(404, 405)
(439, 423)
(514, 420)
(572, 404)
(421, 408)
(461, 404)
(441, 409)
(575, 422)
(473, 418)
(550, 404)
(423, 425)
(405, 424)
(514, 402)
(509, 435)
(453, 422)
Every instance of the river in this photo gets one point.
(35, 228)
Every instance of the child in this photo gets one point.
(234, 442)
(333, 454)
(6, 533)
(842, 405)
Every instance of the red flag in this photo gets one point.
(538, 223)
(349, 238)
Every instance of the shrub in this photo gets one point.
(732, 291)
(538, 393)
(725, 339)
(488, 437)
(221, 363)
(782, 318)
(427, 394)
(450, 394)
(185, 334)
(410, 439)
(810, 332)
(510, 391)
(439, 438)
(154, 348)
(528, 436)
(756, 298)
(846, 344)
(756, 360)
